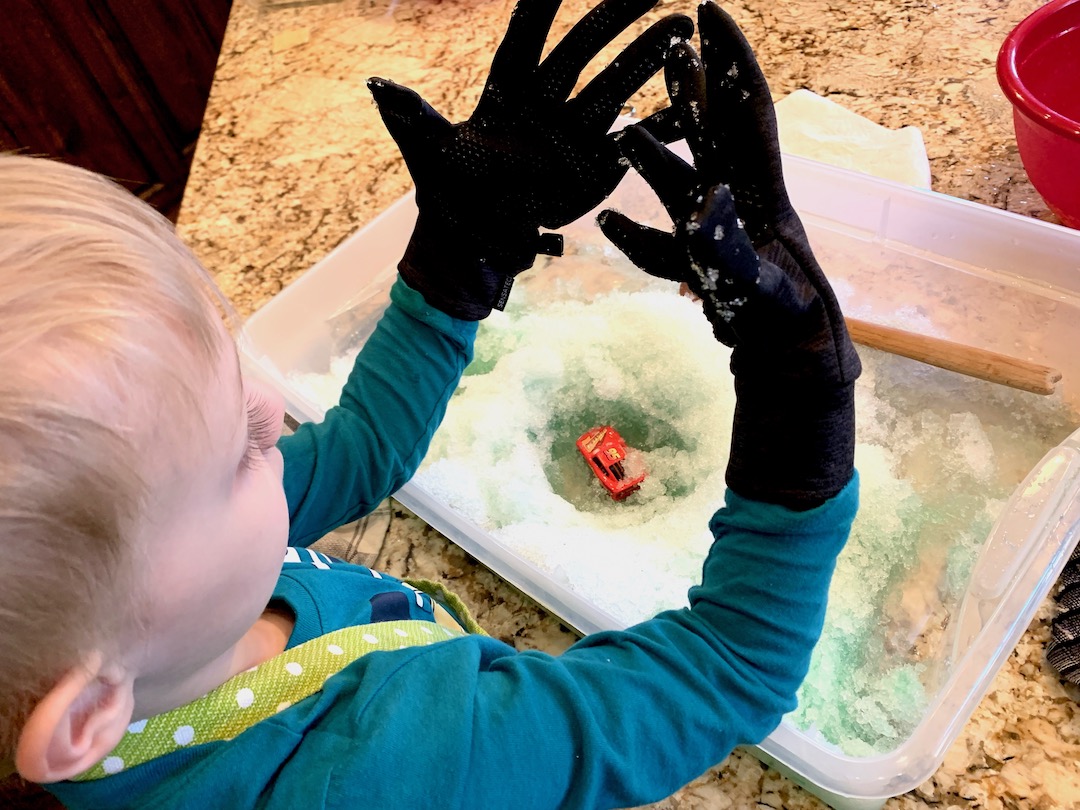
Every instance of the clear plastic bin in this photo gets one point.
(897, 256)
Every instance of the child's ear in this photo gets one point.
(76, 724)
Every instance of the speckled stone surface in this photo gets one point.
(293, 159)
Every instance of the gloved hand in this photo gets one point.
(761, 287)
(527, 157)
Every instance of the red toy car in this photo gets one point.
(604, 451)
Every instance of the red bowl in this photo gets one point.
(1038, 68)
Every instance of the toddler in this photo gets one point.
(156, 652)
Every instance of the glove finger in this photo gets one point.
(559, 72)
(757, 295)
(653, 251)
(721, 253)
(603, 97)
(664, 125)
(744, 122)
(523, 43)
(736, 82)
(408, 118)
(671, 177)
(685, 79)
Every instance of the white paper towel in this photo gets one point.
(814, 127)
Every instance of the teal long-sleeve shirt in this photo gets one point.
(371, 443)
(621, 718)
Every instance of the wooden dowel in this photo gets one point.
(974, 362)
(980, 363)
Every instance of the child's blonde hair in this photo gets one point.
(109, 335)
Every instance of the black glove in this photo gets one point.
(1063, 651)
(793, 436)
(527, 157)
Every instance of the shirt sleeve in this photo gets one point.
(621, 718)
(372, 441)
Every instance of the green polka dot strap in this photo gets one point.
(442, 595)
(260, 692)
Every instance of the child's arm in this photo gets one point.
(527, 157)
(623, 718)
(620, 719)
(371, 443)
(741, 248)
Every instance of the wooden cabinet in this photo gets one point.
(116, 86)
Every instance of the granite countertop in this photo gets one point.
(293, 158)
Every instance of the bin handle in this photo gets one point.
(1029, 521)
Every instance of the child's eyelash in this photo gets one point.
(261, 430)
